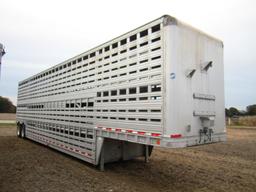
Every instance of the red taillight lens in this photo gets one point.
(174, 136)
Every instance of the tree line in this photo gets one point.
(232, 111)
(6, 106)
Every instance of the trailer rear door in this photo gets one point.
(194, 103)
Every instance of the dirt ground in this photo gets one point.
(231, 166)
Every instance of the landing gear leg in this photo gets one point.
(146, 153)
(102, 159)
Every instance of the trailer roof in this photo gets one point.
(166, 18)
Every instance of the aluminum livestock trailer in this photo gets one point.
(161, 84)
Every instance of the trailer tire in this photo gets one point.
(18, 130)
(23, 131)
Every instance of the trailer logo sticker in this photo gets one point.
(172, 75)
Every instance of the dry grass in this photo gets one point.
(249, 121)
(7, 125)
(7, 116)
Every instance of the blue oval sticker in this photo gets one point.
(172, 75)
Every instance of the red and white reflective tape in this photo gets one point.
(155, 134)
(64, 147)
(129, 131)
(141, 132)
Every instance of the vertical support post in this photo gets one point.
(146, 153)
(123, 150)
(102, 158)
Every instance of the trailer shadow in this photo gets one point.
(156, 175)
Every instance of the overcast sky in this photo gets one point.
(40, 34)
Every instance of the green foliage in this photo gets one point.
(6, 106)
(251, 109)
(227, 112)
(233, 112)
